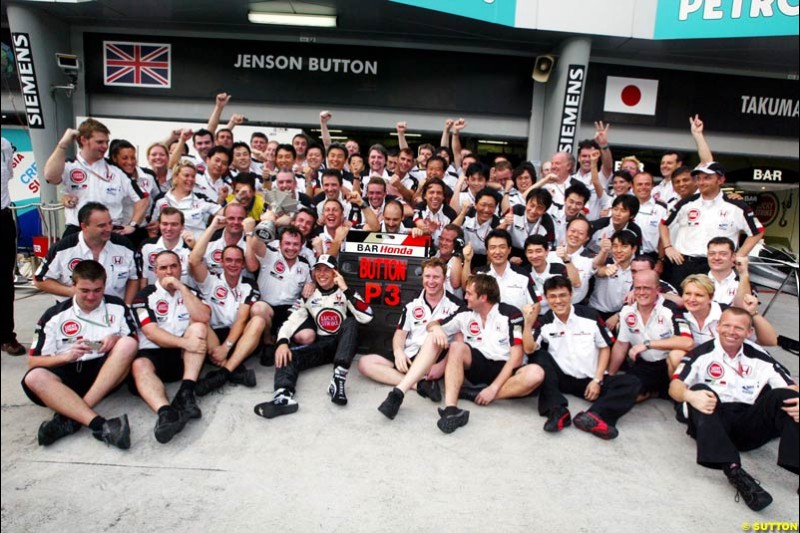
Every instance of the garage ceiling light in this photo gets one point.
(292, 19)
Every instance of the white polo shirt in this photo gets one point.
(205, 185)
(416, 316)
(609, 292)
(99, 182)
(575, 345)
(64, 324)
(725, 290)
(583, 261)
(516, 289)
(120, 259)
(494, 339)
(443, 217)
(213, 255)
(698, 221)
(649, 218)
(225, 300)
(550, 270)
(521, 228)
(475, 233)
(155, 305)
(151, 248)
(738, 379)
(665, 321)
(279, 283)
(196, 209)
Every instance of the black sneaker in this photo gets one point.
(591, 423)
(282, 404)
(469, 392)
(392, 403)
(52, 430)
(268, 355)
(243, 376)
(170, 422)
(185, 401)
(450, 423)
(116, 432)
(430, 389)
(558, 419)
(336, 387)
(211, 381)
(749, 489)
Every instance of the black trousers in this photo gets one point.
(734, 427)
(617, 395)
(8, 258)
(675, 274)
(339, 349)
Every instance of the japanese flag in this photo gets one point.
(631, 95)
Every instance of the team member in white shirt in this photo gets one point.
(539, 268)
(488, 354)
(284, 275)
(403, 368)
(196, 208)
(231, 234)
(614, 277)
(581, 258)
(649, 330)
(215, 183)
(737, 397)
(172, 346)
(730, 286)
(82, 350)
(651, 213)
(89, 178)
(531, 218)
(95, 241)
(170, 225)
(478, 222)
(516, 288)
(238, 318)
(573, 347)
(432, 214)
(701, 217)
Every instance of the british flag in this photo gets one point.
(137, 64)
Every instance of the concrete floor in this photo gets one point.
(330, 468)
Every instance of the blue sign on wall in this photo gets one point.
(495, 11)
(705, 19)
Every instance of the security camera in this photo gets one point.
(67, 62)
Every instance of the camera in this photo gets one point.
(67, 62)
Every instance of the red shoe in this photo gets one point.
(591, 423)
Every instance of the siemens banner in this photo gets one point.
(703, 19)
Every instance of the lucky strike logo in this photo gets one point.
(419, 313)
(715, 370)
(152, 259)
(329, 320)
(221, 292)
(77, 176)
(280, 267)
(630, 320)
(162, 307)
(70, 328)
(72, 264)
(694, 214)
(474, 328)
(217, 256)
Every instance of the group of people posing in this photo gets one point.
(571, 279)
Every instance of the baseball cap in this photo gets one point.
(709, 168)
(327, 260)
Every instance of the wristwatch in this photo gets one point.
(647, 344)
(229, 344)
(598, 381)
